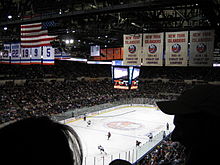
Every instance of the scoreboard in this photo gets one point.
(125, 77)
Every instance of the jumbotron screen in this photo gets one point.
(125, 77)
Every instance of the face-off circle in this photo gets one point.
(124, 125)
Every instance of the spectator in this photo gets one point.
(120, 162)
(39, 141)
(197, 113)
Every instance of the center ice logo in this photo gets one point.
(176, 48)
(123, 125)
(201, 48)
(132, 49)
(152, 48)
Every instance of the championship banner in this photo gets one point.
(15, 53)
(36, 55)
(176, 48)
(201, 48)
(48, 55)
(25, 56)
(153, 49)
(132, 49)
(6, 54)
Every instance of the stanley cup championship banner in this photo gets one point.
(176, 48)
(132, 49)
(201, 48)
(153, 49)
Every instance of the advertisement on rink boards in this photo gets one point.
(201, 48)
(132, 49)
(153, 49)
(176, 48)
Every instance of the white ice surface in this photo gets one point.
(126, 124)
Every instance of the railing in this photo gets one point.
(77, 113)
(132, 155)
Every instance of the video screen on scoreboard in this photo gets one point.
(134, 79)
(120, 77)
(135, 73)
(120, 73)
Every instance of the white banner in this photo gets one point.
(153, 49)
(201, 48)
(132, 49)
(95, 50)
(48, 55)
(25, 56)
(36, 55)
(15, 53)
(6, 54)
(176, 48)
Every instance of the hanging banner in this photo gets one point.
(48, 55)
(201, 48)
(117, 53)
(6, 54)
(176, 48)
(57, 54)
(15, 53)
(95, 50)
(153, 49)
(1, 57)
(25, 56)
(132, 49)
(36, 55)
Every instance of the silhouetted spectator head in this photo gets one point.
(120, 162)
(39, 141)
(197, 116)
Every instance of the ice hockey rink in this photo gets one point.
(126, 124)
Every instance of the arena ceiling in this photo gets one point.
(90, 22)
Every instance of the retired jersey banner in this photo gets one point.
(176, 48)
(48, 55)
(6, 54)
(15, 53)
(201, 48)
(25, 56)
(132, 49)
(36, 55)
(153, 49)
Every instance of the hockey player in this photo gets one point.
(88, 123)
(109, 135)
(84, 117)
(138, 143)
(101, 149)
(150, 137)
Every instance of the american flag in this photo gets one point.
(34, 35)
